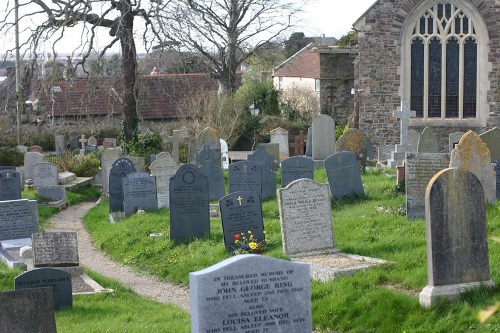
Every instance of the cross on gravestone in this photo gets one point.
(404, 114)
(83, 141)
(298, 144)
(178, 137)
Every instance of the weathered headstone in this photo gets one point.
(251, 293)
(245, 176)
(30, 159)
(54, 193)
(139, 192)
(457, 242)
(343, 175)
(18, 219)
(420, 168)
(384, 153)
(370, 153)
(323, 137)
(109, 156)
(296, 167)
(471, 154)
(241, 212)
(353, 140)
(138, 162)
(60, 145)
(73, 141)
(120, 169)
(309, 142)
(83, 142)
(273, 150)
(413, 138)
(28, 310)
(55, 249)
(280, 136)
(92, 141)
(36, 149)
(492, 140)
(58, 280)
(209, 136)
(213, 172)
(164, 167)
(189, 204)
(10, 185)
(306, 218)
(44, 174)
(427, 142)
(453, 139)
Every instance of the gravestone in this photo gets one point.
(138, 162)
(109, 156)
(296, 167)
(370, 153)
(251, 293)
(36, 149)
(496, 168)
(120, 169)
(471, 154)
(268, 176)
(178, 137)
(261, 156)
(139, 192)
(343, 175)
(398, 154)
(224, 150)
(18, 219)
(89, 149)
(280, 136)
(306, 218)
(28, 310)
(152, 158)
(420, 168)
(109, 143)
(189, 204)
(54, 193)
(65, 177)
(413, 138)
(73, 141)
(44, 174)
(60, 145)
(92, 141)
(83, 142)
(323, 137)
(298, 144)
(213, 172)
(55, 249)
(273, 150)
(241, 212)
(58, 280)
(427, 142)
(164, 167)
(10, 185)
(453, 139)
(245, 176)
(354, 140)
(457, 241)
(209, 136)
(384, 153)
(309, 142)
(492, 140)
(30, 159)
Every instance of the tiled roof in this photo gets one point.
(304, 63)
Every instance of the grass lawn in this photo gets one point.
(381, 299)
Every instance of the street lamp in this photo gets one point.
(254, 109)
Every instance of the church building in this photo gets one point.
(441, 57)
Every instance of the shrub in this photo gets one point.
(148, 143)
(11, 157)
(82, 166)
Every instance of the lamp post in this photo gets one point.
(254, 111)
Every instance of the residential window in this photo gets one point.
(280, 83)
(317, 84)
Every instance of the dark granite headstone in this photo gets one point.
(139, 192)
(457, 241)
(18, 219)
(261, 156)
(73, 141)
(28, 310)
(245, 176)
(213, 172)
(189, 204)
(55, 249)
(343, 175)
(296, 167)
(10, 185)
(241, 212)
(119, 169)
(370, 152)
(55, 193)
(497, 171)
(251, 293)
(268, 185)
(58, 280)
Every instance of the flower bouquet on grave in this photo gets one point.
(249, 244)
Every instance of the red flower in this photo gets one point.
(237, 236)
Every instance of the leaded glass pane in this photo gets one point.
(440, 11)
(457, 25)
(417, 77)
(452, 77)
(422, 25)
(430, 23)
(470, 78)
(466, 25)
(434, 92)
(448, 11)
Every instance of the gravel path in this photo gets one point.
(70, 219)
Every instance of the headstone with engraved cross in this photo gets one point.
(178, 137)
(298, 144)
(245, 176)
(398, 155)
(83, 141)
(10, 185)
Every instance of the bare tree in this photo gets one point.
(51, 20)
(225, 32)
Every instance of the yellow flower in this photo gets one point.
(252, 245)
(249, 232)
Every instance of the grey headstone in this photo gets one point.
(73, 141)
(419, 169)
(306, 217)
(309, 142)
(343, 175)
(28, 310)
(353, 140)
(453, 139)
(241, 212)
(92, 141)
(90, 149)
(273, 150)
(55, 193)
(323, 138)
(164, 167)
(189, 204)
(10, 185)
(60, 145)
(245, 176)
(457, 242)
(55, 249)
(370, 153)
(268, 177)
(58, 280)
(138, 162)
(427, 142)
(139, 192)
(296, 167)
(413, 138)
(213, 172)
(280, 136)
(384, 153)
(261, 156)
(251, 293)
(492, 140)
(18, 219)
(44, 174)
(120, 169)
(30, 159)
(209, 136)
(497, 171)
(109, 156)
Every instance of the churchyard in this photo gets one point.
(316, 215)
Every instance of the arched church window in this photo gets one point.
(444, 64)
